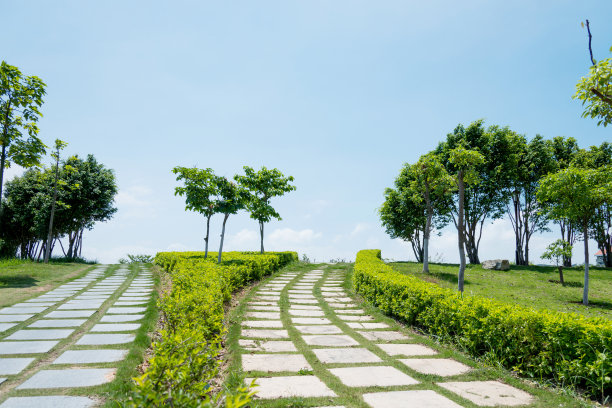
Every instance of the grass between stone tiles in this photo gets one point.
(352, 396)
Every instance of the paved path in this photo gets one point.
(70, 338)
(302, 337)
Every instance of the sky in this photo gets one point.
(339, 94)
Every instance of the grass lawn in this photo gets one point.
(21, 280)
(529, 286)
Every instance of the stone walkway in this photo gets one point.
(303, 337)
(70, 338)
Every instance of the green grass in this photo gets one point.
(352, 397)
(530, 286)
(21, 279)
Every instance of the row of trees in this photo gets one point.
(210, 194)
(484, 173)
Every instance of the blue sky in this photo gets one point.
(338, 94)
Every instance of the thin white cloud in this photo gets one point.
(287, 237)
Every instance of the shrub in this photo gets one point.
(566, 348)
(185, 358)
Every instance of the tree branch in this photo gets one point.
(590, 37)
(603, 97)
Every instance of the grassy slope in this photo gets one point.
(526, 286)
(21, 280)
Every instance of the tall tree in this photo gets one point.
(487, 199)
(464, 163)
(431, 185)
(565, 151)
(199, 189)
(20, 100)
(59, 145)
(231, 198)
(574, 194)
(535, 160)
(264, 185)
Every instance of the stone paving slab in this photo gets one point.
(381, 376)
(330, 340)
(136, 303)
(54, 401)
(35, 304)
(127, 310)
(310, 320)
(40, 334)
(269, 346)
(305, 307)
(274, 362)
(489, 393)
(58, 314)
(120, 318)
(322, 329)
(383, 335)
(407, 350)
(355, 318)
(22, 310)
(265, 334)
(115, 327)
(58, 323)
(264, 315)
(408, 399)
(5, 326)
(12, 366)
(295, 386)
(2, 379)
(90, 356)
(26, 347)
(104, 339)
(304, 301)
(265, 308)
(377, 325)
(306, 313)
(444, 367)
(346, 355)
(76, 377)
(269, 324)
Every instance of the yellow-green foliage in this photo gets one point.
(185, 356)
(567, 348)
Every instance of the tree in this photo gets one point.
(20, 100)
(231, 198)
(574, 194)
(465, 163)
(263, 185)
(535, 160)
(431, 184)
(595, 90)
(486, 200)
(59, 145)
(557, 251)
(199, 189)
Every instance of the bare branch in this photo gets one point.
(590, 38)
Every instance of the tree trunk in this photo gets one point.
(560, 267)
(2, 163)
(460, 229)
(222, 236)
(71, 239)
(81, 242)
(50, 235)
(207, 235)
(566, 227)
(426, 233)
(261, 233)
(585, 292)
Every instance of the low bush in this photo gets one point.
(185, 358)
(565, 348)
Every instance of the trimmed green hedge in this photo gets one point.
(186, 354)
(566, 348)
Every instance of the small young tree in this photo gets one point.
(59, 145)
(263, 185)
(231, 198)
(199, 190)
(20, 98)
(464, 163)
(557, 251)
(575, 194)
(431, 184)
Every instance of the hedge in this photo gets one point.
(185, 357)
(565, 348)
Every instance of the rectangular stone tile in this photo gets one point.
(5, 326)
(340, 340)
(58, 314)
(51, 401)
(323, 329)
(274, 362)
(81, 306)
(342, 312)
(355, 318)
(310, 320)
(82, 377)
(34, 304)
(265, 334)
(294, 386)
(57, 323)
(268, 298)
(336, 305)
(306, 313)
(90, 356)
(262, 303)
(104, 339)
(357, 325)
(383, 335)
(269, 346)
(40, 334)
(300, 296)
(264, 315)
(407, 350)
(26, 347)
(265, 308)
(12, 366)
(22, 310)
(489, 393)
(120, 318)
(125, 310)
(304, 301)
(305, 307)
(408, 399)
(346, 355)
(128, 303)
(115, 327)
(444, 367)
(270, 324)
(380, 376)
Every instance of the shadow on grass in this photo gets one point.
(23, 281)
(598, 304)
(568, 284)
